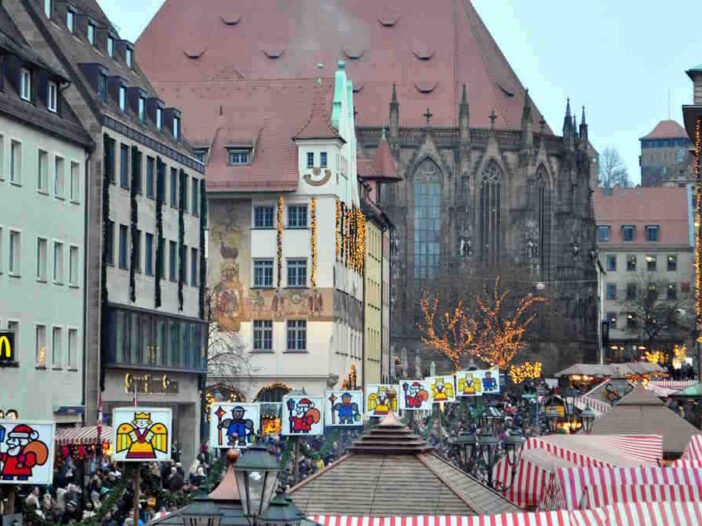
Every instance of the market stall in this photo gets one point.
(82, 443)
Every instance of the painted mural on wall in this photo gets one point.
(26, 452)
(442, 388)
(302, 416)
(142, 434)
(381, 399)
(344, 409)
(234, 424)
(478, 382)
(414, 395)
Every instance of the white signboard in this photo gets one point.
(344, 409)
(442, 388)
(478, 383)
(26, 452)
(142, 434)
(234, 424)
(414, 395)
(381, 399)
(302, 415)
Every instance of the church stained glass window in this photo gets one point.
(427, 221)
(489, 206)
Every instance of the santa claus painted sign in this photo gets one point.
(344, 409)
(414, 395)
(478, 382)
(442, 388)
(234, 424)
(26, 452)
(142, 434)
(302, 415)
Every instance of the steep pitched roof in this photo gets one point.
(429, 48)
(667, 129)
(318, 126)
(382, 166)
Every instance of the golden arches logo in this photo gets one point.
(5, 348)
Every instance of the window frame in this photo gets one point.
(233, 153)
(124, 166)
(629, 259)
(672, 287)
(172, 261)
(59, 177)
(611, 292)
(263, 225)
(90, 32)
(159, 118)
(295, 278)
(110, 46)
(631, 291)
(42, 171)
(150, 179)
(56, 353)
(25, 84)
(58, 269)
(323, 159)
(102, 87)
(74, 269)
(674, 259)
(14, 253)
(52, 96)
(194, 267)
(141, 108)
(264, 282)
(123, 247)
(122, 98)
(71, 19)
(42, 267)
(16, 162)
(649, 230)
(74, 190)
(129, 57)
(651, 263)
(263, 334)
(295, 224)
(611, 258)
(39, 364)
(310, 160)
(296, 333)
(148, 254)
(628, 228)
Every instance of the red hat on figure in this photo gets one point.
(23, 431)
(305, 402)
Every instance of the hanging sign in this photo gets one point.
(302, 416)
(271, 422)
(478, 382)
(380, 399)
(7, 348)
(234, 425)
(442, 388)
(414, 395)
(26, 452)
(344, 409)
(142, 434)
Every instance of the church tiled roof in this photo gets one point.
(381, 167)
(429, 48)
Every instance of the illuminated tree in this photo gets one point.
(450, 333)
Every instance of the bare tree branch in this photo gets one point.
(613, 171)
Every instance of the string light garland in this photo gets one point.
(698, 227)
(525, 371)
(350, 236)
(654, 357)
(280, 240)
(313, 214)
(338, 231)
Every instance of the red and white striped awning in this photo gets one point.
(82, 436)
(551, 518)
(668, 387)
(600, 496)
(693, 451)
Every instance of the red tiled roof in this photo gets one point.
(264, 114)
(381, 167)
(667, 130)
(663, 206)
(430, 48)
(318, 126)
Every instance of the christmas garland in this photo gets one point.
(203, 261)
(134, 220)
(313, 213)
(350, 236)
(181, 236)
(338, 232)
(215, 474)
(160, 242)
(698, 227)
(280, 240)
(107, 141)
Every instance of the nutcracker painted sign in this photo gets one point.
(302, 415)
(26, 452)
(442, 388)
(344, 409)
(478, 382)
(380, 399)
(234, 424)
(414, 395)
(142, 434)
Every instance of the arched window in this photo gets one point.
(427, 221)
(489, 207)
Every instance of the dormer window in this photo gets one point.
(239, 156)
(159, 118)
(123, 98)
(48, 8)
(129, 56)
(310, 159)
(52, 96)
(102, 87)
(110, 45)
(142, 105)
(176, 127)
(25, 84)
(70, 20)
(91, 33)
(200, 154)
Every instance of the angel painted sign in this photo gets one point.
(380, 399)
(414, 395)
(26, 452)
(142, 434)
(344, 409)
(478, 382)
(234, 424)
(442, 388)
(302, 415)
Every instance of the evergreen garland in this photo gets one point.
(134, 219)
(160, 242)
(107, 142)
(203, 261)
(181, 236)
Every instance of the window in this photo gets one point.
(110, 243)
(612, 320)
(611, 291)
(195, 195)
(651, 262)
(263, 335)
(73, 267)
(149, 254)
(25, 84)
(129, 56)
(172, 252)
(652, 233)
(672, 263)
(200, 154)
(59, 177)
(75, 182)
(297, 335)
(2, 157)
(43, 172)
(159, 118)
(15, 247)
(310, 159)
(136, 167)
(91, 33)
(58, 262)
(142, 104)
(136, 246)
(15, 162)
(263, 273)
(176, 127)
(123, 98)
(239, 157)
(603, 233)
(631, 263)
(51, 96)
(263, 217)
(123, 246)
(110, 158)
(174, 188)
(297, 216)
(323, 159)
(193, 267)
(102, 87)
(631, 291)
(72, 348)
(631, 321)
(124, 166)
(628, 233)
(184, 185)
(40, 346)
(427, 221)
(297, 273)
(56, 347)
(48, 8)
(41, 259)
(150, 177)
(70, 20)
(672, 291)
(611, 262)
(110, 45)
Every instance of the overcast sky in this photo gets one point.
(625, 60)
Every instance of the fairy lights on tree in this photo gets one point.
(450, 333)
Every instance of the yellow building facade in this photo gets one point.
(373, 304)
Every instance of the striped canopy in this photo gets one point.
(83, 436)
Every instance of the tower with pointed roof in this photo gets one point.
(666, 158)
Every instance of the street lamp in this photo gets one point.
(488, 452)
(256, 478)
(282, 512)
(202, 512)
(570, 395)
(552, 417)
(514, 444)
(488, 420)
(466, 444)
(588, 418)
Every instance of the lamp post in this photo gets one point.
(552, 417)
(256, 478)
(588, 418)
(466, 443)
(202, 512)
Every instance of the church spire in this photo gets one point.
(583, 127)
(464, 118)
(568, 122)
(394, 117)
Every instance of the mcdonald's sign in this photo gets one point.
(7, 348)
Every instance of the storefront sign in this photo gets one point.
(26, 452)
(150, 384)
(7, 348)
